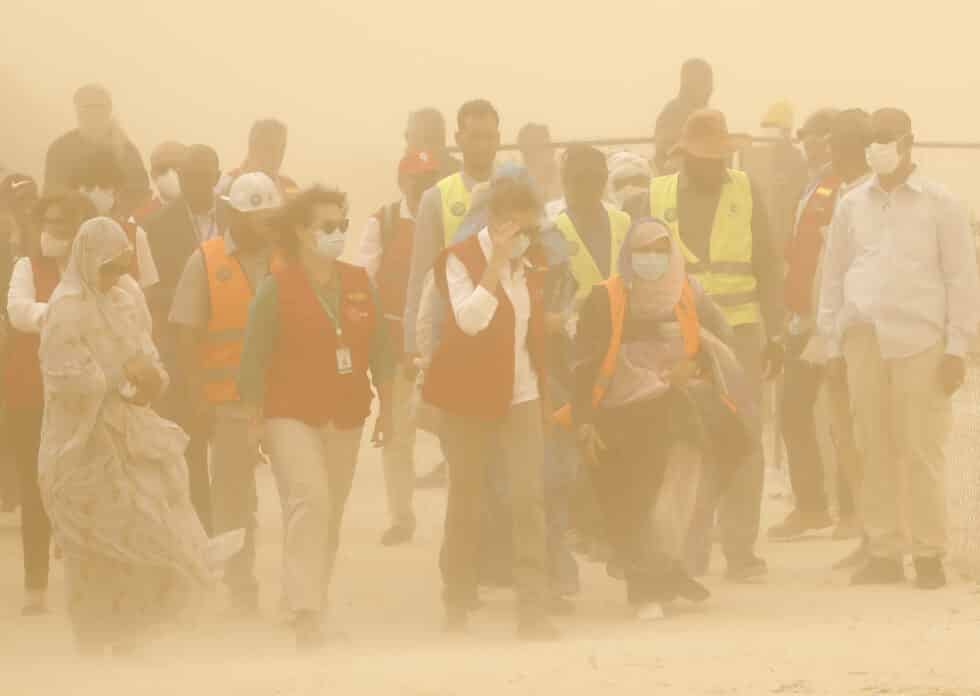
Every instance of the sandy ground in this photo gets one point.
(803, 631)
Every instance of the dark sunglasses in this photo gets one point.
(115, 269)
(331, 227)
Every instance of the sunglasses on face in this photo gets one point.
(115, 269)
(335, 225)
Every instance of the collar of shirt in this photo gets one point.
(915, 182)
(404, 212)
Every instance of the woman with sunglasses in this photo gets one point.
(112, 472)
(314, 344)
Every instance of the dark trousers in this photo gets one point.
(627, 478)
(176, 406)
(35, 530)
(801, 388)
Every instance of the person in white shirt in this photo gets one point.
(487, 378)
(32, 283)
(386, 254)
(898, 307)
(100, 179)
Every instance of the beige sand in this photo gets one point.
(802, 632)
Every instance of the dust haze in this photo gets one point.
(344, 76)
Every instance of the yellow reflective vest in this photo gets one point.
(455, 204)
(583, 267)
(727, 275)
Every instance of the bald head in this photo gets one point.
(199, 174)
(267, 146)
(165, 156)
(93, 112)
(890, 124)
(697, 82)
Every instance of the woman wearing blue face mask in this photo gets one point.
(315, 345)
(641, 351)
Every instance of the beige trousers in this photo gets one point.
(399, 454)
(902, 419)
(314, 469)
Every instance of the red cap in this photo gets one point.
(420, 162)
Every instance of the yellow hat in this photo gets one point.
(780, 115)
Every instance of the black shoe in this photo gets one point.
(398, 535)
(745, 569)
(537, 629)
(797, 524)
(855, 559)
(690, 589)
(437, 478)
(457, 619)
(880, 571)
(309, 634)
(929, 573)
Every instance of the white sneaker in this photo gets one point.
(650, 612)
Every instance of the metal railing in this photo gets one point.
(625, 142)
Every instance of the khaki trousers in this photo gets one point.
(399, 454)
(515, 444)
(314, 469)
(902, 419)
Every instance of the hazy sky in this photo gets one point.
(343, 75)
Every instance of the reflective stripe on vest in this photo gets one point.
(727, 276)
(455, 204)
(583, 267)
(688, 324)
(230, 294)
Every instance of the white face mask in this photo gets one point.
(54, 248)
(519, 246)
(651, 265)
(329, 245)
(883, 159)
(168, 186)
(103, 199)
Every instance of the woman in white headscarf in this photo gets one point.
(112, 473)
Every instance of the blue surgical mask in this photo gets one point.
(651, 265)
(330, 245)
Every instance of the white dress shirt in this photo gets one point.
(474, 307)
(372, 245)
(904, 262)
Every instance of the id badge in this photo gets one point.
(345, 362)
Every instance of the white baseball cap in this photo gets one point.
(254, 191)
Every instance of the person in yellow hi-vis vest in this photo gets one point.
(444, 206)
(210, 311)
(442, 210)
(722, 227)
(594, 231)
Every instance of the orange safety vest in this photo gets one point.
(686, 312)
(230, 294)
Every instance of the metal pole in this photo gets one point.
(621, 142)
